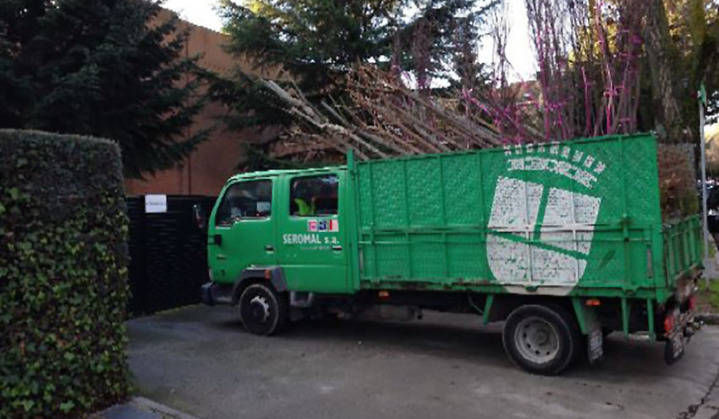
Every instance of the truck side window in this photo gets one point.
(313, 196)
(252, 199)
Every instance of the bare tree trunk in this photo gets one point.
(660, 55)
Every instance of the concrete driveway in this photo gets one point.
(200, 360)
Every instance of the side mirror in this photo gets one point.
(199, 215)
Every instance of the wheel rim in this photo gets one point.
(257, 312)
(259, 309)
(537, 340)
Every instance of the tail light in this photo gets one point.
(693, 303)
(593, 302)
(669, 322)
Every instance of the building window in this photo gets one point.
(313, 196)
(251, 199)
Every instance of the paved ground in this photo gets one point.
(199, 360)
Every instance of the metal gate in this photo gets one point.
(168, 254)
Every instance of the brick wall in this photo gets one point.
(205, 171)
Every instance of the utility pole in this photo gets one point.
(702, 96)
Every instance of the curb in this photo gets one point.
(140, 407)
(148, 404)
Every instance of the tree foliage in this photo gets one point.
(609, 67)
(316, 39)
(311, 38)
(694, 38)
(318, 42)
(63, 275)
(108, 68)
(604, 66)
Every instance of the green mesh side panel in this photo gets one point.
(582, 213)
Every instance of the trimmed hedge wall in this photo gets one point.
(63, 275)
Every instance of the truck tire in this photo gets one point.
(541, 339)
(263, 310)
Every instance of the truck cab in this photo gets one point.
(287, 227)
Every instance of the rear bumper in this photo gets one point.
(686, 324)
(682, 307)
(677, 339)
(680, 321)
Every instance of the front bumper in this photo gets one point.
(206, 293)
(212, 293)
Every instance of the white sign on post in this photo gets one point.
(155, 203)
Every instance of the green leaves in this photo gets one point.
(27, 405)
(62, 235)
(100, 67)
(67, 406)
(319, 41)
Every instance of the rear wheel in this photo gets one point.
(541, 339)
(263, 310)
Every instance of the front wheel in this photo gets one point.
(263, 310)
(541, 339)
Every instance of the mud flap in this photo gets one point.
(591, 327)
(674, 348)
(595, 344)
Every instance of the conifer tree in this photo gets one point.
(108, 68)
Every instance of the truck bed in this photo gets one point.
(573, 218)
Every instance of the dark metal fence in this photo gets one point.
(168, 254)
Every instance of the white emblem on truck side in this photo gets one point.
(539, 234)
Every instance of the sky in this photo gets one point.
(519, 51)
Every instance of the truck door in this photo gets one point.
(311, 234)
(244, 222)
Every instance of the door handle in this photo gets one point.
(336, 247)
(269, 248)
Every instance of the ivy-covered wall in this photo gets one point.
(63, 275)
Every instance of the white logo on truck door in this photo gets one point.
(540, 234)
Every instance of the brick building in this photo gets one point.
(206, 169)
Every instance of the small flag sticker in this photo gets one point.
(311, 225)
(323, 225)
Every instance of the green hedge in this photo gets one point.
(63, 275)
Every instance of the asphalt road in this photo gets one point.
(201, 361)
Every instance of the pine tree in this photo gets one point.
(313, 39)
(107, 68)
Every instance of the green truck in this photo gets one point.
(564, 242)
